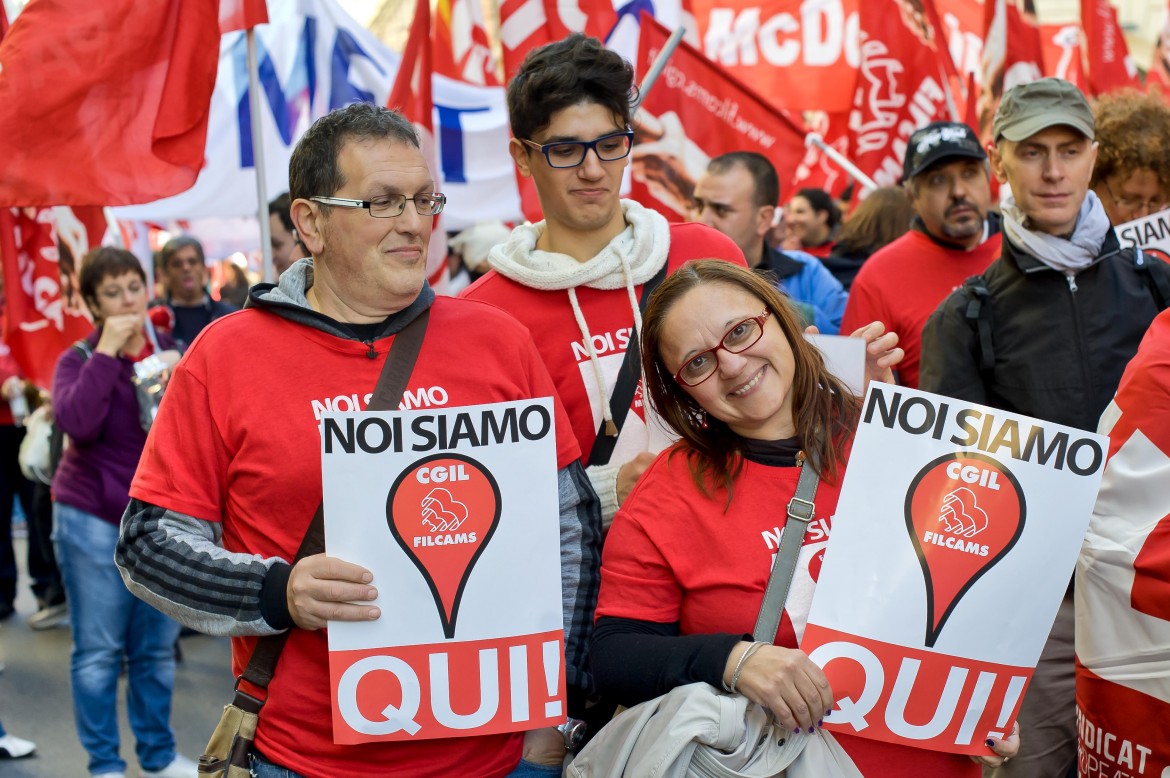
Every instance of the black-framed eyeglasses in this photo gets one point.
(1136, 205)
(391, 205)
(742, 336)
(571, 153)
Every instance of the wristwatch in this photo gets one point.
(573, 731)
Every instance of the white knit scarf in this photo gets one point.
(1068, 255)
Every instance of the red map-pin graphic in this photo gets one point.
(964, 512)
(443, 510)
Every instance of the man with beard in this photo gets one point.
(955, 236)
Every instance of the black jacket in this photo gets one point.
(1058, 344)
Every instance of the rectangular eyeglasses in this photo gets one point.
(391, 205)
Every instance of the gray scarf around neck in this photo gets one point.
(1068, 255)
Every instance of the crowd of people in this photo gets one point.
(673, 450)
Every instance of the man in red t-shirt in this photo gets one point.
(955, 236)
(576, 279)
(231, 475)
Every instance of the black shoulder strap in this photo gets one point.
(392, 381)
(627, 382)
(979, 317)
(1158, 285)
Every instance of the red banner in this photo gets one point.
(460, 43)
(1122, 587)
(696, 111)
(1158, 76)
(901, 86)
(1011, 55)
(44, 312)
(527, 24)
(1110, 66)
(112, 113)
(411, 94)
(241, 14)
(1063, 53)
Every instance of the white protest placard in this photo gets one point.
(455, 512)
(844, 358)
(953, 544)
(1150, 233)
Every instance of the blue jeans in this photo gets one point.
(262, 768)
(530, 770)
(110, 624)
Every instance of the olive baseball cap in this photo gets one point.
(1027, 109)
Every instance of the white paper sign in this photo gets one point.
(455, 512)
(1150, 233)
(844, 357)
(955, 538)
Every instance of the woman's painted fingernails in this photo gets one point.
(990, 743)
(821, 723)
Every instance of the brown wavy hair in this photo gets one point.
(824, 409)
(1132, 132)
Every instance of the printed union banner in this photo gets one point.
(455, 513)
(954, 541)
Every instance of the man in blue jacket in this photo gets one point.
(738, 195)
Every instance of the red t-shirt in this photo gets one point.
(247, 453)
(675, 555)
(903, 283)
(548, 314)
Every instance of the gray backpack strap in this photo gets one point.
(800, 512)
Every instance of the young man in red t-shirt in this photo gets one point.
(576, 278)
(955, 236)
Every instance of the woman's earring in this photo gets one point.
(699, 419)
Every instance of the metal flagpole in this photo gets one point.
(659, 64)
(258, 156)
(814, 139)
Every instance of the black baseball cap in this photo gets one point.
(938, 141)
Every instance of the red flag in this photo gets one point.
(1011, 54)
(1109, 64)
(1158, 76)
(900, 87)
(696, 95)
(106, 102)
(44, 312)
(816, 170)
(241, 14)
(528, 24)
(461, 49)
(1063, 53)
(411, 95)
(3, 21)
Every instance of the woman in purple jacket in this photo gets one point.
(95, 404)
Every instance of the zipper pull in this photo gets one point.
(371, 353)
(1072, 283)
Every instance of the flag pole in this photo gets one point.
(659, 64)
(258, 157)
(814, 139)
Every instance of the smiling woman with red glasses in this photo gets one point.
(689, 554)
